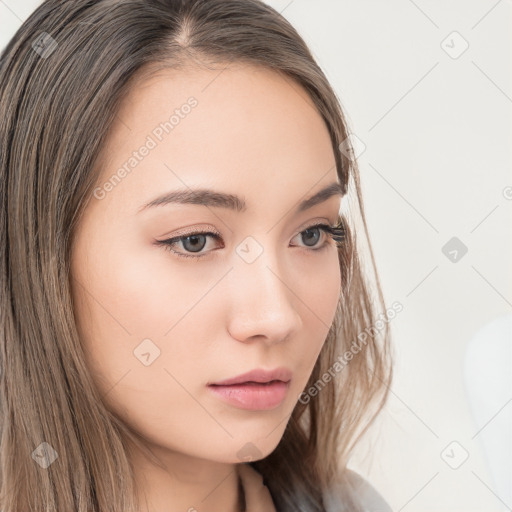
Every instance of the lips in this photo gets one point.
(258, 375)
(253, 396)
(256, 390)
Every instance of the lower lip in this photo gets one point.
(253, 396)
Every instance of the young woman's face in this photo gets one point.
(158, 327)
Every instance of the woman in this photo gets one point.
(186, 324)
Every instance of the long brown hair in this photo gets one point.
(62, 77)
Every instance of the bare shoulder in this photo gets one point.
(371, 499)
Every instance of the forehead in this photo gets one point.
(241, 127)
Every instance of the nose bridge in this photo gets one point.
(262, 303)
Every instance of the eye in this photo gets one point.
(312, 234)
(193, 243)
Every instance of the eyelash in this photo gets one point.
(336, 233)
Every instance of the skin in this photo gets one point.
(254, 134)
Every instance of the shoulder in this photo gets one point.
(370, 498)
(353, 491)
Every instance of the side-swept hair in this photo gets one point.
(62, 78)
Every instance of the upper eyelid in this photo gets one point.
(213, 231)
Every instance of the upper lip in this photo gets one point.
(257, 375)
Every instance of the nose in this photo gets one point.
(262, 303)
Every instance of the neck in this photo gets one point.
(183, 483)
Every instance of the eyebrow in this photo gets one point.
(212, 198)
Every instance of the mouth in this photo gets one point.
(248, 382)
(258, 376)
(252, 395)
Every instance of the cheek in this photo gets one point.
(148, 378)
(144, 322)
(319, 291)
(138, 292)
(318, 298)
